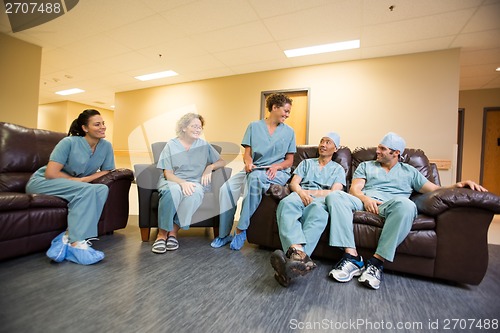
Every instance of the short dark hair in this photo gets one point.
(278, 99)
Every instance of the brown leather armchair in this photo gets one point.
(28, 223)
(448, 239)
(147, 176)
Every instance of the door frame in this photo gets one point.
(483, 141)
(264, 94)
(460, 142)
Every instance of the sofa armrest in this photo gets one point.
(219, 177)
(439, 201)
(117, 174)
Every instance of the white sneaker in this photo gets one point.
(346, 269)
(371, 276)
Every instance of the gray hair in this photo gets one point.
(185, 120)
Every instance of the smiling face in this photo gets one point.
(95, 129)
(386, 156)
(280, 113)
(326, 147)
(193, 130)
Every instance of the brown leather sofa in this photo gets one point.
(28, 223)
(147, 176)
(448, 239)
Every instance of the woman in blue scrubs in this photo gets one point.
(187, 163)
(269, 147)
(77, 160)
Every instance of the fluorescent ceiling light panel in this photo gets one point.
(69, 91)
(340, 46)
(154, 76)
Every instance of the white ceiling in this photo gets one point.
(100, 45)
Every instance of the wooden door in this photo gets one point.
(298, 119)
(490, 166)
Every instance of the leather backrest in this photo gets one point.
(22, 152)
(157, 148)
(342, 157)
(414, 157)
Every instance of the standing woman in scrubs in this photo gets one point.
(269, 147)
(77, 160)
(187, 162)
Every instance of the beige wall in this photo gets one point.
(20, 79)
(59, 116)
(414, 95)
(474, 102)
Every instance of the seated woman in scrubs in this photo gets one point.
(76, 161)
(187, 162)
(269, 147)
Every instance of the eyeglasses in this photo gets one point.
(195, 127)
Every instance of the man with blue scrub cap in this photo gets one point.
(302, 216)
(382, 187)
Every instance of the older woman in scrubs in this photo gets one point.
(76, 161)
(269, 147)
(187, 162)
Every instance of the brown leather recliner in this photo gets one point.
(448, 239)
(28, 223)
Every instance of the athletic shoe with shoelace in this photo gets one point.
(346, 269)
(372, 276)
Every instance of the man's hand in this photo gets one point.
(472, 185)
(371, 205)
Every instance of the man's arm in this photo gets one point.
(357, 185)
(429, 186)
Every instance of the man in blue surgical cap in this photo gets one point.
(302, 216)
(381, 187)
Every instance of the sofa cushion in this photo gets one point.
(14, 181)
(10, 201)
(14, 201)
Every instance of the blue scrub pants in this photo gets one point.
(399, 214)
(253, 185)
(85, 203)
(175, 206)
(299, 224)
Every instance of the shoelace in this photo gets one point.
(84, 244)
(373, 271)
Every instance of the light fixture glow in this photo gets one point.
(154, 76)
(498, 69)
(325, 48)
(70, 91)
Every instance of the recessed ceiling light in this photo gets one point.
(69, 91)
(498, 69)
(154, 76)
(325, 48)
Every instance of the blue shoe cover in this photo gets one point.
(58, 248)
(87, 256)
(238, 241)
(220, 242)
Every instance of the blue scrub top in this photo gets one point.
(187, 164)
(76, 156)
(314, 178)
(269, 149)
(401, 180)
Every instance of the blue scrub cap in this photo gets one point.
(335, 138)
(394, 142)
